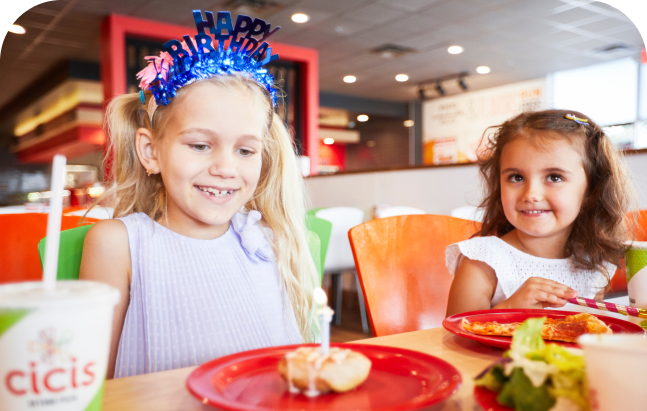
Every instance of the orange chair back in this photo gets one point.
(619, 280)
(19, 237)
(401, 266)
(641, 230)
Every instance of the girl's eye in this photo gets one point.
(515, 178)
(555, 178)
(200, 147)
(244, 152)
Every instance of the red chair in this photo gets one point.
(19, 237)
(401, 266)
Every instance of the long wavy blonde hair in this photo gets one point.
(279, 196)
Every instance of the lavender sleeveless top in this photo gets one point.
(195, 300)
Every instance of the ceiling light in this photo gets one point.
(17, 29)
(350, 79)
(461, 83)
(455, 50)
(362, 118)
(329, 140)
(408, 123)
(402, 77)
(440, 89)
(300, 18)
(482, 69)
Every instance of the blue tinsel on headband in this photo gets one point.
(182, 64)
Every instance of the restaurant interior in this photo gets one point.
(389, 104)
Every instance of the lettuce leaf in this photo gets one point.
(519, 393)
(528, 336)
(493, 379)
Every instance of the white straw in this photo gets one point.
(54, 222)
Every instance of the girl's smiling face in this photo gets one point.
(543, 184)
(210, 158)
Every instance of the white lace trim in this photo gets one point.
(513, 267)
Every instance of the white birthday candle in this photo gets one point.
(325, 316)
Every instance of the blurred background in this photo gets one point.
(399, 83)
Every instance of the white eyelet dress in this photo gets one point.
(195, 300)
(513, 267)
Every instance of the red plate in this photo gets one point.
(487, 399)
(399, 380)
(453, 324)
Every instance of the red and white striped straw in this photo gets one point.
(605, 306)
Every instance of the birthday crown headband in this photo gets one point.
(204, 55)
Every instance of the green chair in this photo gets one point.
(70, 252)
(314, 247)
(322, 228)
(313, 211)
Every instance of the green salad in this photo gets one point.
(535, 376)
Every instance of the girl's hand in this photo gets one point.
(539, 292)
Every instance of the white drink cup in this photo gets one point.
(636, 262)
(616, 371)
(54, 345)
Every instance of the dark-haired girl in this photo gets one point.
(556, 196)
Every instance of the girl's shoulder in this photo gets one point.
(107, 231)
(105, 251)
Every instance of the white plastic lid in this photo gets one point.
(70, 292)
(615, 342)
(642, 245)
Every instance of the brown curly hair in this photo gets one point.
(602, 224)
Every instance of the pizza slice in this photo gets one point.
(567, 329)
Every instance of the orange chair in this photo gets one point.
(641, 230)
(19, 237)
(619, 280)
(401, 266)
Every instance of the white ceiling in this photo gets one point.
(518, 39)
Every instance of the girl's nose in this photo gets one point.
(533, 193)
(223, 166)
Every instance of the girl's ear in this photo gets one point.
(145, 152)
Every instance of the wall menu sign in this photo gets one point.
(453, 126)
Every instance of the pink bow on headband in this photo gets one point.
(158, 65)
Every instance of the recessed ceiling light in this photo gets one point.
(482, 69)
(15, 28)
(362, 118)
(408, 123)
(455, 50)
(350, 79)
(402, 77)
(329, 140)
(300, 18)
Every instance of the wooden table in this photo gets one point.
(165, 391)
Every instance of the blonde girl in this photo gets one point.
(556, 199)
(208, 244)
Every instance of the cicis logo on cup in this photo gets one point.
(54, 346)
(55, 369)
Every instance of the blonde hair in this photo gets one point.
(279, 195)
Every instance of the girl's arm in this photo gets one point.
(475, 283)
(473, 287)
(106, 258)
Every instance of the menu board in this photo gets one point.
(453, 126)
